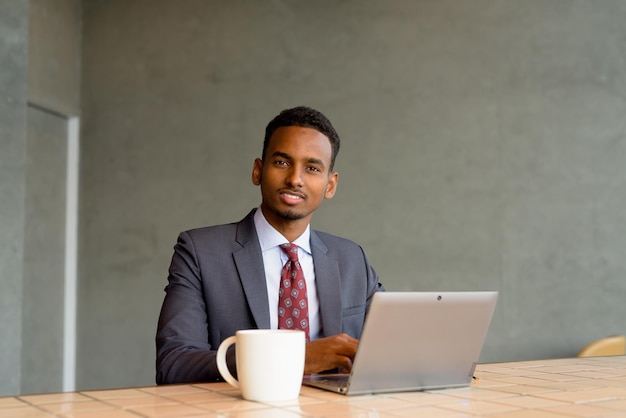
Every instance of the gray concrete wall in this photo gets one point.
(13, 91)
(483, 148)
(54, 55)
(43, 329)
(53, 92)
(39, 56)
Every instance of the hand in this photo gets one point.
(335, 352)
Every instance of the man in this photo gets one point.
(230, 277)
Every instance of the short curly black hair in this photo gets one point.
(305, 117)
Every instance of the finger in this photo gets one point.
(348, 348)
(345, 364)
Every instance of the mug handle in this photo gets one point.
(221, 361)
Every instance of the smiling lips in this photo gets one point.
(291, 198)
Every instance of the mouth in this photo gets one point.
(290, 197)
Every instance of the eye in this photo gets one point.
(314, 169)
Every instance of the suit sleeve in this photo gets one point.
(184, 354)
(373, 281)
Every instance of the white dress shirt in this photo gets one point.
(273, 260)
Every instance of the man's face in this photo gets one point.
(295, 175)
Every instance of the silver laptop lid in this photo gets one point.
(421, 340)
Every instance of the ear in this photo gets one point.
(256, 171)
(331, 188)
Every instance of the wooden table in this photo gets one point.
(578, 387)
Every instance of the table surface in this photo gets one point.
(558, 388)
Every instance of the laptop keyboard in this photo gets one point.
(337, 381)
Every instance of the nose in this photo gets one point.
(294, 177)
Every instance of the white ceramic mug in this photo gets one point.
(270, 363)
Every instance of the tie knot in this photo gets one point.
(291, 250)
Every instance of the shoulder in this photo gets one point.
(349, 257)
(209, 234)
(334, 244)
(241, 232)
(210, 231)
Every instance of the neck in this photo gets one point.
(289, 228)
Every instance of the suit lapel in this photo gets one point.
(249, 262)
(328, 283)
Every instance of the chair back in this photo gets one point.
(614, 345)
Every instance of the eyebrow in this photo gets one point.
(289, 157)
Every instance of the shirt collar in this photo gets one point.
(269, 237)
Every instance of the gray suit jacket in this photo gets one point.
(216, 286)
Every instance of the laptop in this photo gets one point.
(416, 341)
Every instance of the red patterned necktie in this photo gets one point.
(293, 306)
